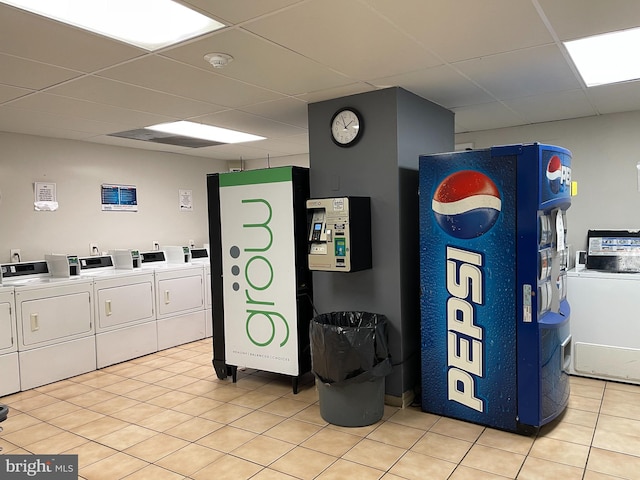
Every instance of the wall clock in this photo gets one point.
(346, 127)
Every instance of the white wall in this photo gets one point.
(605, 154)
(604, 165)
(78, 169)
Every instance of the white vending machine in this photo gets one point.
(260, 281)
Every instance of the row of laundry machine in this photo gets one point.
(67, 315)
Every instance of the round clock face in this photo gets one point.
(346, 127)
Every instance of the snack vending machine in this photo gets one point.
(494, 315)
(260, 280)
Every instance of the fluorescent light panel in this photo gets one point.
(205, 132)
(148, 24)
(607, 58)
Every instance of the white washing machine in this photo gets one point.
(604, 324)
(9, 369)
(201, 256)
(180, 297)
(54, 319)
(124, 310)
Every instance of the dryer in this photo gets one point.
(9, 369)
(124, 309)
(54, 319)
(180, 297)
(605, 330)
(201, 256)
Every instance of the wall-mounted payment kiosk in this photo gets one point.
(339, 234)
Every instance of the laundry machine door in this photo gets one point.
(48, 320)
(7, 327)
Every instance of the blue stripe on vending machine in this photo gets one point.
(494, 327)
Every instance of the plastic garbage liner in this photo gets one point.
(350, 358)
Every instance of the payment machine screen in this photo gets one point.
(317, 230)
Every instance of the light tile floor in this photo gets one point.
(167, 416)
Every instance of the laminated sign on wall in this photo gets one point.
(46, 199)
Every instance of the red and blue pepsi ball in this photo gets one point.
(466, 204)
(554, 173)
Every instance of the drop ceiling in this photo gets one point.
(494, 63)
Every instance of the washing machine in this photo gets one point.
(55, 323)
(124, 309)
(9, 369)
(180, 296)
(201, 256)
(605, 330)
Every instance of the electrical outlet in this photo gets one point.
(192, 244)
(15, 255)
(93, 249)
(156, 245)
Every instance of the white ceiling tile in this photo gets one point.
(238, 151)
(346, 36)
(35, 122)
(622, 97)
(552, 106)
(165, 75)
(441, 85)
(240, 10)
(249, 123)
(259, 62)
(523, 73)
(58, 44)
(8, 92)
(465, 29)
(572, 19)
(290, 111)
(56, 105)
(118, 94)
(330, 93)
(279, 146)
(463, 55)
(487, 116)
(29, 74)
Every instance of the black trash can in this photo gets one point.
(350, 358)
(4, 411)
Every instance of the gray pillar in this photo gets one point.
(398, 127)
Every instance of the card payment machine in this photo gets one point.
(339, 234)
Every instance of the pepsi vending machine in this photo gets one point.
(493, 260)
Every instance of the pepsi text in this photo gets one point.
(464, 277)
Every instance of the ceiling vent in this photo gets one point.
(154, 136)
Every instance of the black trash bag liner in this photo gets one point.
(349, 347)
(4, 411)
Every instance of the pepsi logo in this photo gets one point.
(466, 204)
(554, 173)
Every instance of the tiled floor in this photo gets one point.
(167, 416)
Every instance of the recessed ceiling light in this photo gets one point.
(148, 24)
(206, 132)
(607, 58)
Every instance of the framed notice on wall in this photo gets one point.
(122, 198)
